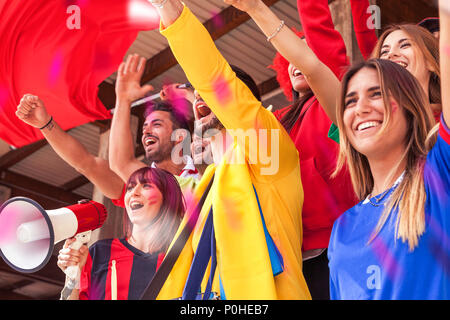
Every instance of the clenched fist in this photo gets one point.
(31, 110)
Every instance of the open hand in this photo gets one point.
(31, 110)
(128, 87)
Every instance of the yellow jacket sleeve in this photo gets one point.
(261, 140)
(257, 130)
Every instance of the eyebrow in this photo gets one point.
(374, 88)
(353, 93)
(400, 41)
(153, 121)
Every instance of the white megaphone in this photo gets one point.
(28, 233)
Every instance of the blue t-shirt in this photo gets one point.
(385, 268)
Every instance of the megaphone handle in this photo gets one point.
(80, 239)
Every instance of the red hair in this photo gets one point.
(281, 65)
(171, 211)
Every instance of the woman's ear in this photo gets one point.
(430, 67)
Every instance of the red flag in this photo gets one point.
(61, 50)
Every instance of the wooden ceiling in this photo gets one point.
(414, 11)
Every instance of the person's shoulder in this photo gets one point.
(440, 152)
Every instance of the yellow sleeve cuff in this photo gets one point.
(179, 23)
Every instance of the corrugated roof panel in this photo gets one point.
(173, 75)
(287, 10)
(255, 41)
(236, 51)
(45, 165)
(149, 43)
(205, 10)
(85, 191)
(245, 46)
(89, 135)
(253, 50)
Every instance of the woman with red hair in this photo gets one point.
(121, 268)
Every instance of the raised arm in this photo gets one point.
(326, 41)
(321, 36)
(365, 36)
(228, 97)
(321, 79)
(32, 111)
(121, 147)
(444, 14)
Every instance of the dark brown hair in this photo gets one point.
(179, 120)
(289, 119)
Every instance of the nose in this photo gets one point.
(362, 106)
(393, 53)
(197, 95)
(136, 191)
(147, 129)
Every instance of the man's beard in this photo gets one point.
(163, 152)
(210, 128)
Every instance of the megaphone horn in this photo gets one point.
(28, 233)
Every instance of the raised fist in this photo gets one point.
(31, 110)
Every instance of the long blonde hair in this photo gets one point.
(409, 196)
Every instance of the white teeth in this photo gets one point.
(136, 205)
(368, 124)
(297, 73)
(404, 65)
(200, 105)
(149, 141)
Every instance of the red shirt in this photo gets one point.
(325, 198)
(113, 265)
